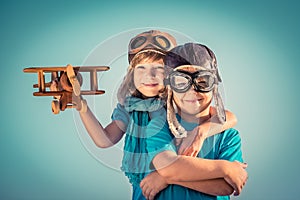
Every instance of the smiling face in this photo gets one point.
(148, 77)
(192, 105)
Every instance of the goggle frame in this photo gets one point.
(191, 80)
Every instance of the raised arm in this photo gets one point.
(102, 137)
(191, 145)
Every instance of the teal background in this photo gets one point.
(257, 46)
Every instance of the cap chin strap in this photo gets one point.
(219, 106)
(177, 130)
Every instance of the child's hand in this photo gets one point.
(236, 176)
(54, 87)
(192, 144)
(152, 184)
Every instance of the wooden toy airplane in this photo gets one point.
(67, 90)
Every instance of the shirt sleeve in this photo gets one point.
(120, 114)
(230, 146)
(159, 138)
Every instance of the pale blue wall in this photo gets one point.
(257, 46)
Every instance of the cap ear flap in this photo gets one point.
(219, 106)
(214, 62)
(127, 87)
(176, 129)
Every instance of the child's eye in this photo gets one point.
(140, 67)
(160, 68)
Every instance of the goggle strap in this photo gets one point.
(166, 81)
(152, 50)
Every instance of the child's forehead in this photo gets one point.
(154, 59)
(190, 68)
(151, 61)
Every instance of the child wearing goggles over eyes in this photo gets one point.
(142, 98)
(181, 81)
(217, 171)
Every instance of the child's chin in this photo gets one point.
(150, 93)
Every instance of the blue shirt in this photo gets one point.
(226, 146)
(136, 115)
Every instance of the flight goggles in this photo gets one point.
(151, 40)
(181, 81)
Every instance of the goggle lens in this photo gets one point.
(139, 41)
(157, 42)
(181, 82)
(162, 42)
(204, 83)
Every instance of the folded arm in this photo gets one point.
(153, 183)
(177, 168)
(215, 187)
(169, 165)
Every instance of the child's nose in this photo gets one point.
(193, 89)
(151, 72)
